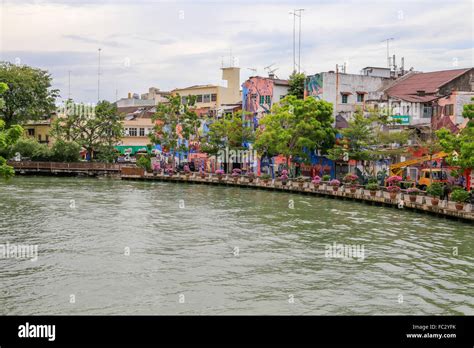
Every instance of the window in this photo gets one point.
(47, 138)
(360, 97)
(142, 132)
(206, 98)
(262, 99)
(268, 99)
(39, 137)
(199, 98)
(132, 132)
(31, 132)
(282, 96)
(344, 99)
(449, 110)
(427, 111)
(213, 97)
(184, 100)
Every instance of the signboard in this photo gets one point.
(402, 119)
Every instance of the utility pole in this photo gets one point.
(69, 85)
(98, 78)
(295, 14)
(388, 51)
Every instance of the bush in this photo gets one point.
(145, 163)
(326, 177)
(335, 182)
(63, 151)
(435, 190)
(459, 195)
(373, 186)
(265, 177)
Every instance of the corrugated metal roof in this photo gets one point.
(407, 89)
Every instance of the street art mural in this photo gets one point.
(257, 94)
(313, 86)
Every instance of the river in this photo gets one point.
(107, 246)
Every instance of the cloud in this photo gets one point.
(169, 44)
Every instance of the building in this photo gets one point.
(211, 98)
(137, 125)
(259, 94)
(430, 99)
(152, 98)
(347, 92)
(39, 130)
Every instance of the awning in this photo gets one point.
(131, 149)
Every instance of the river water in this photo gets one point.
(119, 247)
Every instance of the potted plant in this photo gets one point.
(393, 191)
(265, 178)
(145, 163)
(202, 174)
(351, 181)
(169, 171)
(326, 177)
(284, 177)
(236, 173)
(300, 180)
(335, 184)
(219, 173)
(316, 181)
(250, 176)
(460, 196)
(435, 190)
(187, 171)
(412, 193)
(373, 188)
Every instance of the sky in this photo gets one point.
(174, 44)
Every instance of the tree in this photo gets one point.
(295, 126)
(227, 133)
(29, 95)
(175, 122)
(365, 140)
(460, 146)
(97, 132)
(63, 151)
(296, 82)
(8, 137)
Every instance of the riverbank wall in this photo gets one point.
(422, 204)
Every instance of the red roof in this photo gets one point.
(407, 89)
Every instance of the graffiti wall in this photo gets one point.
(313, 86)
(257, 94)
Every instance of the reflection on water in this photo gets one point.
(166, 248)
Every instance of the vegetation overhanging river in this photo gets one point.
(114, 247)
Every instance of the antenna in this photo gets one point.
(295, 14)
(253, 69)
(388, 52)
(271, 72)
(98, 78)
(69, 85)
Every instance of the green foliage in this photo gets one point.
(174, 121)
(107, 153)
(30, 148)
(459, 195)
(296, 82)
(228, 131)
(93, 132)
(460, 146)
(63, 151)
(326, 177)
(3, 89)
(145, 163)
(6, 171)
(295, 127)
(8, 137)
(265, 177)
(435, 190)
(29, 95)
(373, 186)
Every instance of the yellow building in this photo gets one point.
(39, 130)
(212, 97)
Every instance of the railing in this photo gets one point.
(93, 166)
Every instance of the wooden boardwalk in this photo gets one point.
(402, 201)
(58, 168)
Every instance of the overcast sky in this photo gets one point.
(169, 44)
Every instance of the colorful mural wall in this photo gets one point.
(313, 86)
(257, 94)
